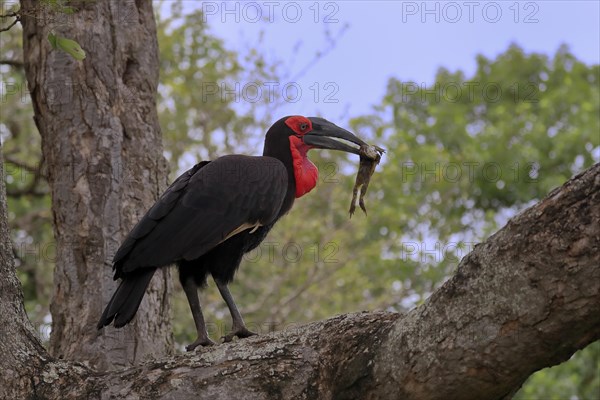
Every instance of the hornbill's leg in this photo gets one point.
(191, 291)
(239, 328)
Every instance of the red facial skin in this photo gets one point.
(305, 172)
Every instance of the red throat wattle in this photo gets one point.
(305, 172)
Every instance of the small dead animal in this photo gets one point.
(369, 158)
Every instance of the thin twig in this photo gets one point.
(29, 191)
(16, 162)
(13, 63)
(10, 15)
(32, 189)
(11, 25)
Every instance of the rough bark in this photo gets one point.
(102, 145)
(525, 299)
(19, 345)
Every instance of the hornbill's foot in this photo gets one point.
(199, 342)
(241, 333)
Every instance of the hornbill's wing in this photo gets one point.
(203, 207)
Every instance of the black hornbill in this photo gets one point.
(217, 211)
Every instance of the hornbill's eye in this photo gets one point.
(303, 126)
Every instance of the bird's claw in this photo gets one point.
(240, 333)
(199, 342)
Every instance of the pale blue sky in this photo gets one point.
(382, 39)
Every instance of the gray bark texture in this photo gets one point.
(19, 344)
(102, 145)
(525, 299)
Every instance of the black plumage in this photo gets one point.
(214, 213)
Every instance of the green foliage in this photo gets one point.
(463, 155)
(577, 379)
(461, 160)
(202, 102)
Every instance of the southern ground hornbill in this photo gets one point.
(217, 211)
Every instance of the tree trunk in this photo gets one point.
(102, 145)
(20, 348)
(525, 299)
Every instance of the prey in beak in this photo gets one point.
(369, 158)
(327, 135)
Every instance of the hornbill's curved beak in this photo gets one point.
(323, 131)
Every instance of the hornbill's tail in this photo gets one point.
(127, 298)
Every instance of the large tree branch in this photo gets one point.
(525, 299)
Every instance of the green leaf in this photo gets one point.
(67, 10)
(52, 40)
(67, 45)
(58, 6)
